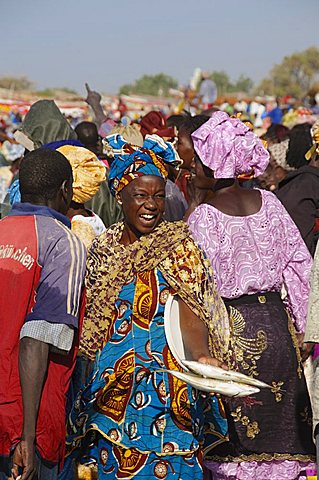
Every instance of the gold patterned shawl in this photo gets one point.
(169, 248)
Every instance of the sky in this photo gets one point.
(108, 43)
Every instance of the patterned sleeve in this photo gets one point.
(296, 272)
(202, 228)
(94, 259)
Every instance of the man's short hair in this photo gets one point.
(42, 172)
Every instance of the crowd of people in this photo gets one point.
(101, 223)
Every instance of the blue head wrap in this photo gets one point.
(61, 143)
(131, 161)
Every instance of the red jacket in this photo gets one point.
(35, 263)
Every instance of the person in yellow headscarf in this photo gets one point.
(88, 174)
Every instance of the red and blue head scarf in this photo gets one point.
(131, 162)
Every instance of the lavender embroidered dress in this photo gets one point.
(253, 257)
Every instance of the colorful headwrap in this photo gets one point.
(132, 161)
(130, 133)
(228, 147)
(314, 150)
(88, 172)
(154, 123)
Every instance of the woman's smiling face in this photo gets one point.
(143, 205)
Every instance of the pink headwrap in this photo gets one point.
(229, 148)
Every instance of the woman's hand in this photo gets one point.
(208, 360)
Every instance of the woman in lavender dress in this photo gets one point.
(255, 250)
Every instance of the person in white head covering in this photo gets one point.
(13, 153)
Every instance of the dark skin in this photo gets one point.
(77, 209)
(143, 204)
(94, 100)
(224, 194)
(59, 203)
(273, 175)
(185, 149)
(236, 201)
(87, 133)
(33, 364)
(195, 337)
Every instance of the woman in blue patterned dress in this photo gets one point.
(133, 419)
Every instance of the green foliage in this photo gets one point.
(224, 84)
(243, 84)
(151, 85)
(16, 83)
(125, 89)
(47, 92)
(52, 92)
(265, 87)
(222, 81)
(293, 76)
(67, 90)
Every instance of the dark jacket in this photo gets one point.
(299, 193)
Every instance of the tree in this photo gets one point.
(16, 83)
(294, 75)
(126, 89)
(221, 80)
(47, 92)
(67, 90)
(243, 84)
(225, 85)
(52, 92)
(265, 87)
(159, 84)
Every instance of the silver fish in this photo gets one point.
(217, 373)
(230, 389)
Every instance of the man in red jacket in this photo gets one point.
(42, 266)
